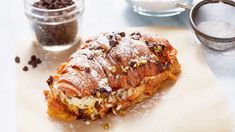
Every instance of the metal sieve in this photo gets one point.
(213, 22)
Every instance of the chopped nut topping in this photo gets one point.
(112, 69)
(122, 113)
(156, 49)
(129, 92)
(108, 105)
(125, 69)
(119, 107)
(106, 126)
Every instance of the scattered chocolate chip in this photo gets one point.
(50, 80)
(110, 36)
(132, 63)
(138, 33)
(33, 57)
(34, 61)
(103, 90)
(147, 43)
(97, 105)
(117, 38)
(132, 33)
(88, 70)
(34, 64)
(25, 68)
(39, 61)
(106, 126)
(122, 34)
(17, 59)
(112, 43)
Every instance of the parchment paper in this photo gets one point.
(194, 103)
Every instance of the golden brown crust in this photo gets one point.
(111, 73)
(148, 87)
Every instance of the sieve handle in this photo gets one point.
(184, 5)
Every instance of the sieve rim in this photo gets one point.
(195, 28)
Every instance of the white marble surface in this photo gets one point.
(100, 15)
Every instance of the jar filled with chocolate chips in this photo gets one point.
(55, 22)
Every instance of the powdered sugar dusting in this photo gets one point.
(217, 28)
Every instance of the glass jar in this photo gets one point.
(158, 8)
(55, 29)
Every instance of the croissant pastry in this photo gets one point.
(109, 73)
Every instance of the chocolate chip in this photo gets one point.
(97, 105)
(34, 64)
(88, 70)
(136, 36)
(132, 33)
(39, 61)
(110, 36)
(25, 68)
(104, 90)
(122, 34)
(33, 57)
(147, 43)
(112, 43)
(50, 80)
(17, 59)
(132, 63)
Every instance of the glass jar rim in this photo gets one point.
(29, 8)
(53, 16)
